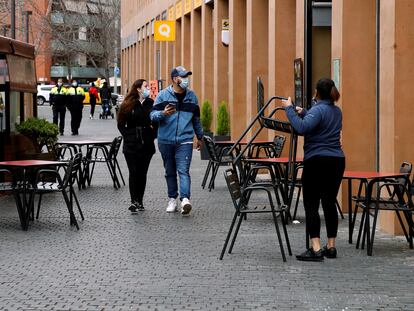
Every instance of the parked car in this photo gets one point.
(43, 93)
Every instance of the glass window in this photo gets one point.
(14, 110)
(2, 112)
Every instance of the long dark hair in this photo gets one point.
(326, 90)
(130, 100)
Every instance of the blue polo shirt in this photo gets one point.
(321, 125)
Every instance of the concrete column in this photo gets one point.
(186, 41)
(207, 55)
(356, 51)
(177, 44)
(237, 67)
(169, 62)
(396, 108)
(151, 59)
(196, 51)
(256, 52)
(221, 58)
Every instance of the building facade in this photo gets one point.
(364, 45)
(73, 39)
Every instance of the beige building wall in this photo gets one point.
(265, 38)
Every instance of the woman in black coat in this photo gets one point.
(139, 133)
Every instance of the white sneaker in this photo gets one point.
(90, 116)
(185, 207)
(172, 206)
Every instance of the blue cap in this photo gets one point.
(180, 71)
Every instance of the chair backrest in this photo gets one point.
(211, 148)
(72, 170)
(115, 146)
(406, 168)
(233, 185)
(63, 152)
(279, 143)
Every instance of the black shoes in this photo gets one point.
(311, 255)
(136, 207)
(329, 252)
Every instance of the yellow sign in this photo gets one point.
(164, 30)
(187, 6)
(178, 9)
(197, 3)
(171, 13)
(225, 24)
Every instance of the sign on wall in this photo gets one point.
(298, 80)
(164, 30)
(336, 77)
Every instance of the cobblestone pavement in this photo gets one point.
(159, 261)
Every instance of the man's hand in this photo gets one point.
(287, 103)
(199, 144)
(299, 110)
(168, 110)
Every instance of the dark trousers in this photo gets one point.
(138, 164)
(59, 112)
(76, 118)
(321, 179)
(93, 103)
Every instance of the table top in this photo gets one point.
(370, 174)
(30, 163)
(273, 160)
(243, 142)
(85, 142)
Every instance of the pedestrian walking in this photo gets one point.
(138, 132)
(58, 98)
(75, 106)
(323, 165)
(106, 98)
(177, 111)
(93, 97)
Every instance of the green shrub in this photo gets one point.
(40, 131)
(223, 120)
(206, 116)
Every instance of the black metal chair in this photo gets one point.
(65, 186)
(399, 200)
(240, 197)
(218, 157)
(100, 154)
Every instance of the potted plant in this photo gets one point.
(223, 123)
(43, 136)
(206, 119)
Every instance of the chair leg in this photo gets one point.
(279, 237)
(228, 235)
(77, 202)
(213, 176)
(120, 172)
(361, 225)
(409, 219)
(235, 233)
(284, 222)
(297, 203)
(206, 174)
(339, 209)
(38, 205)
(370, 241)
(70, 209)
(403, 227)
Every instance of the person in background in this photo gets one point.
(323, 165)
(138, 132)
(105, 93)
(177, 111)
(93, 97)
(58, 97)
(75, 106)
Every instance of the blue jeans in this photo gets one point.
(177, 158)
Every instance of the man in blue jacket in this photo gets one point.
(177, 111)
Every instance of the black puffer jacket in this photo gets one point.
(137, 129)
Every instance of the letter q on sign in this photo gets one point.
(164, 31)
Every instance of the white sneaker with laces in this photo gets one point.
(172, 205)
(185, 207)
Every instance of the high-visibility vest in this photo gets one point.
(55, 91)
(79, 91)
